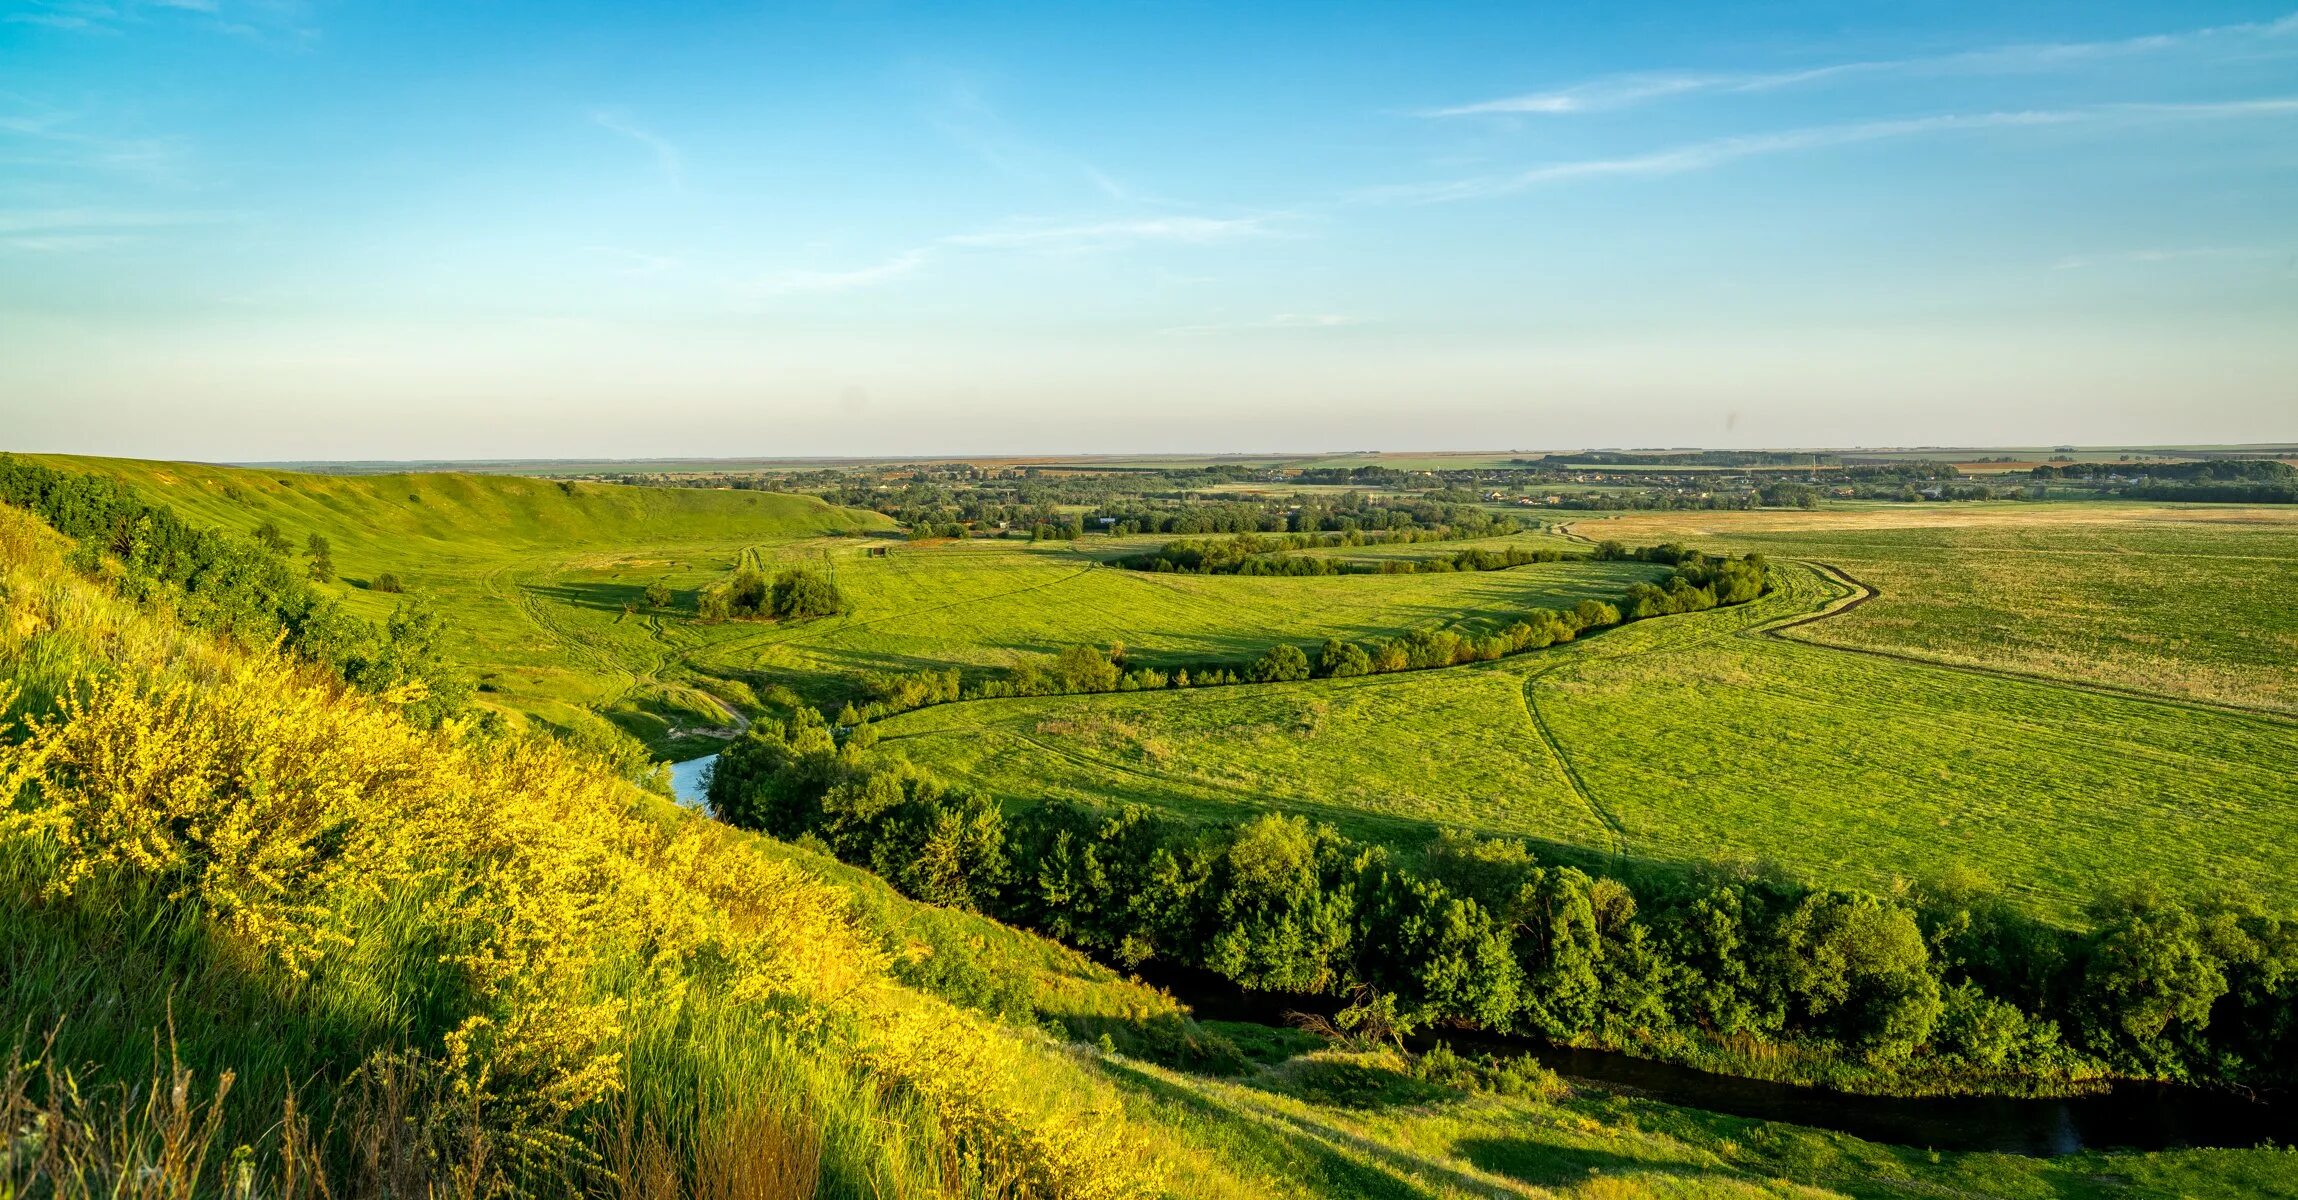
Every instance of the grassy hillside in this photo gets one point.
(403, 516)
(281, 937)
(985, 603)
(537, 579)
(2197, 601)
(1687, 739)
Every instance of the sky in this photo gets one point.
(274, 229)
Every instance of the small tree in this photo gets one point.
(658, 594)
(801, 593)
(386, 582)
(1340, 659)
(269, 536)
(322, 557)
(1283, 661)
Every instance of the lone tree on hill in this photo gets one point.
(322, 557)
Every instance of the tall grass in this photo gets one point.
(391, 961)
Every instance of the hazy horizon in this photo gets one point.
(238, 231)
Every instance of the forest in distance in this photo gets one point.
(998, 746)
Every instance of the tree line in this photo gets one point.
(1265, 554)
(245, 587)
(1937, 988)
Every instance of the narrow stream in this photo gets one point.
(2135, 1116)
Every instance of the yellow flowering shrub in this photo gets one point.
(299, 818)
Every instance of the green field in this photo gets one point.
(1687, 740)
(2197, 601)
(535, 577)
(1683, 740)
(1979, 718)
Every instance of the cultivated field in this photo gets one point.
(2198, 601)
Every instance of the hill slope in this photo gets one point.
(281, 935)
(395, 516)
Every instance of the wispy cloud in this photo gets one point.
(637, 262)
(1698, 156)
(57, 139)
(666, 155)
(1626, 90)
(83, 16)
(1026, 236)
(789, 282)
(1102, 235)
(63, 230)
(2083, 262)
(282, 23)
(1279, 321)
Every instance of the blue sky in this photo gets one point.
(276, 229)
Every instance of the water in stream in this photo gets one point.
(690, 779)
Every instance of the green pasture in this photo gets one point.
(2194, 601)
(1688, 740)
(543, 584)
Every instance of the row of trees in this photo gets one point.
(1256, 554)
(1698, 583)
(1944, 984)
(1926, 989)
(241, 586)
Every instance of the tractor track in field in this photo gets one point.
(1862, 592)
(1563, 760)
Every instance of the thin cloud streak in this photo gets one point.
(795, 282)
(666, 155)
(2082, 262)
(1042, 238)
(1623, 91)
(1279, 321)
(1700, 156)
(1106, 234)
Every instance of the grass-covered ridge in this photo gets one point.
(494, 936)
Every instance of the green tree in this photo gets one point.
(800, 593)
(1279, 929)
(1340, 660)
(2150, 977)
(1858, 964)
(1283, 661)
(1085, 669)
(322, 557)
(270, 538)
(657, 594)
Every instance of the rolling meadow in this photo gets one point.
(2043, 704)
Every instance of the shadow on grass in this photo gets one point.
(1545, 1165)
(1283, 1146)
